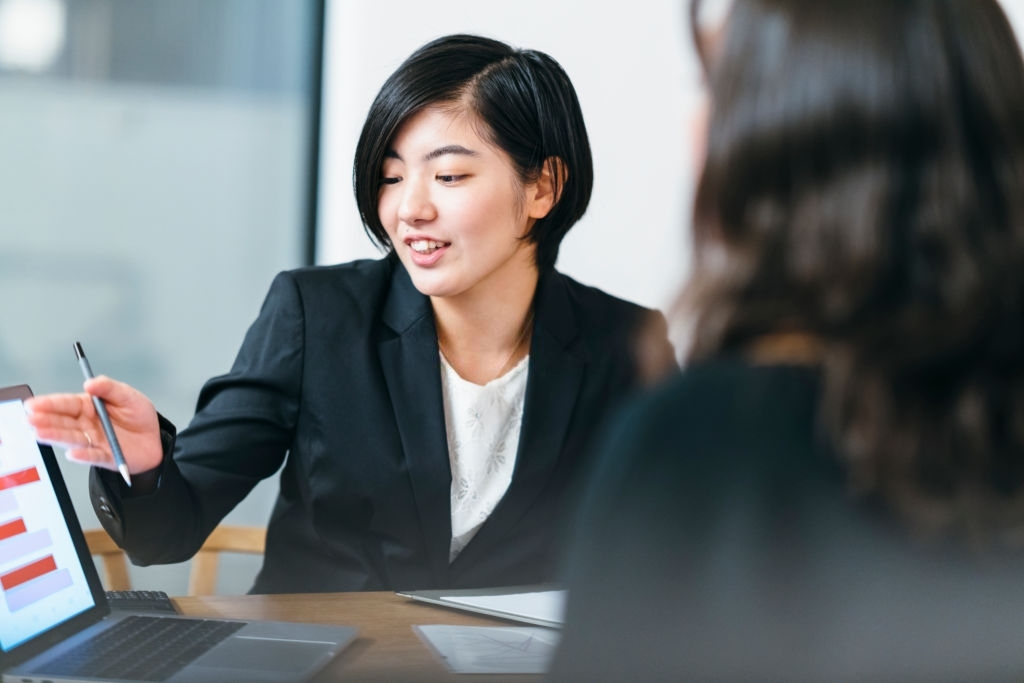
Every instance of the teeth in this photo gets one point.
(425, 246)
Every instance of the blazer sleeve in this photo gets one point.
(242, 429)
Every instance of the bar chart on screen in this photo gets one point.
(38, 563)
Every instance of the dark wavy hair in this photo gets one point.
(523, 102)
(864, 186)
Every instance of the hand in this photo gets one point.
(70, 421)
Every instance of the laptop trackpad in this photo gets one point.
(264, 654)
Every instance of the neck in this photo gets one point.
(484, 342)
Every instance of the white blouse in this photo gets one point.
(483, 435)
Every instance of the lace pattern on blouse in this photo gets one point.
(482, 424)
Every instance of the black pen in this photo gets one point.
(101, 410)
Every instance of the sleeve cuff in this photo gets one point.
(144, 483)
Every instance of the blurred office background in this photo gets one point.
(156, 166)
(161, 160)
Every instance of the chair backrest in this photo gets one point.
(202, 579)
(226, 538)
(115, 565)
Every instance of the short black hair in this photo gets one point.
(526, 105)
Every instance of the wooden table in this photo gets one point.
(386, 648)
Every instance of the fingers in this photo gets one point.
(70, 421)
(90, 455)
(80, 445)
(54, 405)
(67, 421)
(110, 390)
(129, 408)
(86, 445)
(61, 417)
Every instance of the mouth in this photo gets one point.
(426, 246)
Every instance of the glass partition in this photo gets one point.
(157, 172)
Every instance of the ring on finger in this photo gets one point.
(87, 438)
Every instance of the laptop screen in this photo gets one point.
(42, 580)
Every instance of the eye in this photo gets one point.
(450, 179)
(389, 180)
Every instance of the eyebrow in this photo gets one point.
(450, 149)
(439, 152)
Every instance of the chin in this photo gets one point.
(430, 286)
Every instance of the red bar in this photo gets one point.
(27, 476)
(12, 528)
(28, 572)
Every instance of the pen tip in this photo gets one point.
(123, 469)
(78, 350)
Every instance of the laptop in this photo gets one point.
(537, 604)
(54, 616)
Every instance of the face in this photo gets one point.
(455, 209)
(696, 131)
(709, 32)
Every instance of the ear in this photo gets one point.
(543, 194)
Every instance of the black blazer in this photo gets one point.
(338, 379)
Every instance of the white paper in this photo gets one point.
(492, 649)
(545, 605)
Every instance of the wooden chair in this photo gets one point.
(202, 578)
(226, 538)
(115, 564)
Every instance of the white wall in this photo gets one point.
(631, 64)
(1015, 11)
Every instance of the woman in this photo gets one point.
(834, 487)
(433, 409)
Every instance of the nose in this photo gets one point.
(415, 205)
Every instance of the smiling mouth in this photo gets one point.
(427, 246)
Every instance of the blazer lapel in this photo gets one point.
(413, 375)
(556, 373)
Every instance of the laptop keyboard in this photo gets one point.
(140, 601)
(143, 648)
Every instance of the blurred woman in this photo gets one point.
(834, 488)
